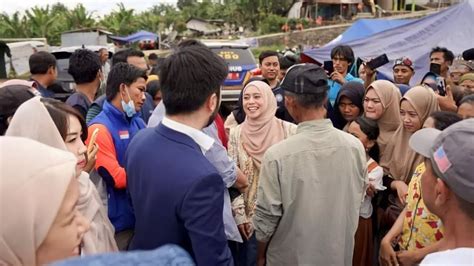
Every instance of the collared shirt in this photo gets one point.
(203, 140)
(217, 156)
(311, 188)
(43, 91)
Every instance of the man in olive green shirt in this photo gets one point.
(311, 184)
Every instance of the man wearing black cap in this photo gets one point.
(312, 184)
(448, 188)
(11, 97)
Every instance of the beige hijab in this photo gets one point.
(390, 96)
(33, 121)
(261, 133)
(399, 160)
(33, 181)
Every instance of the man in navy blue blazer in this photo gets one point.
(177, 195)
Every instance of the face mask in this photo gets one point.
(128, 108)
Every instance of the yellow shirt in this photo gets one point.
(421, 228)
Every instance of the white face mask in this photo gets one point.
(128, 108)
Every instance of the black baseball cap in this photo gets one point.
(305, 79)
(11, 97)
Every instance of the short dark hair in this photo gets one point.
(371, 129)
(447, 54)
(122, 73)
(120, 56)
(152, 56)
(443, 119)
(59, 112)
(152, 87)
(84, 66)
(189, 76)
(136, 53)
(315, 100)
(344, 51)
(266, 54)
(190, 42)
(40, 62)
(287, 61)
(467, 99)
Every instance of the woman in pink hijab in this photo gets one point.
(40, 221)
(248, 143)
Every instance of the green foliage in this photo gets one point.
(271, 23)
(49, 21)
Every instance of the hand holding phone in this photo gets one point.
(90, 147)
(377, 62)
(329, 67)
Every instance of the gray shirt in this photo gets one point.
(311, 189)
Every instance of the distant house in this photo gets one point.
(91, 36)
(202, 27)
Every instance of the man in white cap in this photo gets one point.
(448, 188)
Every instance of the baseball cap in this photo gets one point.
(404, 61)
(11, 97)
(451, 153)
(305, 79)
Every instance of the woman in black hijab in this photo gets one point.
(349, 104)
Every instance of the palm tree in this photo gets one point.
(41, 21)
(79, 18)
(121, 22)
(15, 26)
(149, 21)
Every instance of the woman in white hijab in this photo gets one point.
(40, 222)
(58, 125)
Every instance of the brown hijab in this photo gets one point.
(390, 96)
(32, 120)
(33, 181)
(261, 133)
(399, 160)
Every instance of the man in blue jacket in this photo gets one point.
(176, 193)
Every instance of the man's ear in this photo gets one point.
(442, 192)
(212, 102)
(51, 70)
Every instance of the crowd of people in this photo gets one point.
(313, 167)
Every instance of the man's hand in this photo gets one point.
(407, 258)
(338, 77)
(447, 103)
(387, 256)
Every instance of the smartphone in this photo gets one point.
(377, 62)
(328, 66)
(90, 147)
(435, 68)
(441, 86)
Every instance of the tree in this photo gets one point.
(15, 26)
(41, 21)
(79, 18)
(121, 22)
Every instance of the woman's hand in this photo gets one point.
(402, 190)
(387, 256)
(371, 190)
(91, 158)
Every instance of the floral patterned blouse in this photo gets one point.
(420, 228)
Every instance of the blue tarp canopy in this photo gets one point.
(363, 28)
(136, 37)
(450, 28)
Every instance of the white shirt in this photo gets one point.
(203, 140)
(458, 256)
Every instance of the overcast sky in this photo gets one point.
(100, 7)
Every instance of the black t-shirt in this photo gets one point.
(80, 102)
